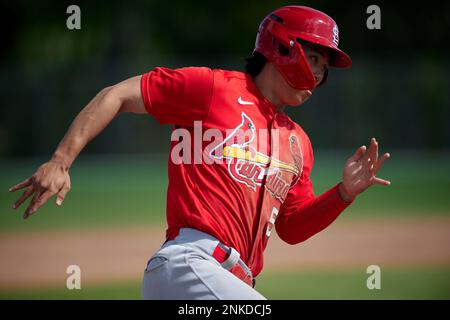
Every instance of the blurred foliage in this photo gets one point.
(397, 89)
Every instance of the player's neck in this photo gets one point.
(264, 83)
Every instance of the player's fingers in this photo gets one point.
(381, 181)
(25, 195)
(372, 153)
(21, 185)
(28, 212)
(380, 162)
(62, 194)
(39, 201)
(358, 154)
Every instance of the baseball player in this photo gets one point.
(253, 174)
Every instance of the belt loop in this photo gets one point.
(232, 259)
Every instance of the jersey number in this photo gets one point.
(273, 217)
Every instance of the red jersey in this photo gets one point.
(253, 177)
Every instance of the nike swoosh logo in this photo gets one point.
(244, 102)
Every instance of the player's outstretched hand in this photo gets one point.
(360, 171)
(51, 178)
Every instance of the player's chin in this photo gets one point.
(299, 97)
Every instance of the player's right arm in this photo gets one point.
(52, 178)
(177, 96)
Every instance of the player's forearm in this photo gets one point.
(99, 112)
(311, 216)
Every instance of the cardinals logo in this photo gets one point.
(242, 157)
(248, 166)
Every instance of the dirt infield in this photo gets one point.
(41, 259)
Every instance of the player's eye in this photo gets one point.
(314, 59)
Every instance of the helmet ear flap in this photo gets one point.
(280, 48)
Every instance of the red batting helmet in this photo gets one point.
(288, 25)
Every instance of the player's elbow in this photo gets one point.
(125, 96)
(129, 94)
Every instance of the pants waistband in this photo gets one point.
(228, 257)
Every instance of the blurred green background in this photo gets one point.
(130, 190)
(430, 283)
(397, 91)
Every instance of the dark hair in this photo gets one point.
(254, 64)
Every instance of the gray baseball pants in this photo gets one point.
(184, 269)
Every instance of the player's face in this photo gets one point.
(318, 59)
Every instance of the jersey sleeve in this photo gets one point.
(178, 96)
(303, 214)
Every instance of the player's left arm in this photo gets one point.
(303, 214)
